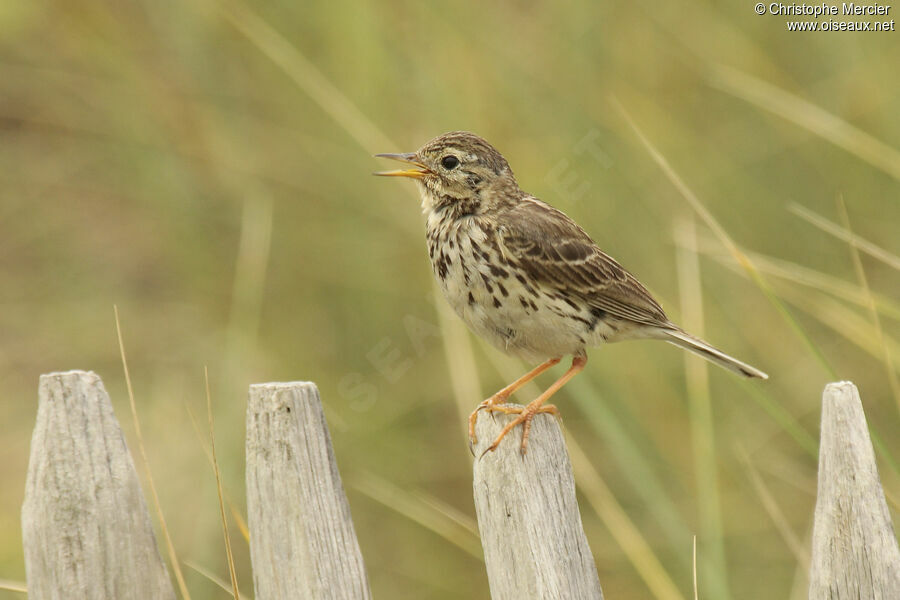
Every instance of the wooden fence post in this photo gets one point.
(534, 543)
(302, 542)
(85, 525)
(854, 551)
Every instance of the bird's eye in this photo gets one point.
(449, 162)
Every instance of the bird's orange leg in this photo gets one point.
(527, 413)
(501, 396)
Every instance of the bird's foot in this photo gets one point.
(526, 416)
(497, 399)
(503, 395)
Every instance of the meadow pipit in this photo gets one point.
(524, 276)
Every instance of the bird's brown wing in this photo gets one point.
(555, 252)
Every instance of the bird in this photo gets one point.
(525, 277)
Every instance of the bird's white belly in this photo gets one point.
(520, 332)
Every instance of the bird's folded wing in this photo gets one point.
(554, 251)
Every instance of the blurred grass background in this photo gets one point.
(205, 166)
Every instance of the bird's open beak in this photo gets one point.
(419, 173)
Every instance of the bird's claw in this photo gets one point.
(491, 402)
(525, 416)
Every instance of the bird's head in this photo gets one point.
(458, 168)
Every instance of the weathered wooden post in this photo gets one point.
(302, 542)
(85, 525)
(534, 543)
(854, 550)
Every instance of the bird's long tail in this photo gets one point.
(698, 346)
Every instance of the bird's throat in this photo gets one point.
(448, 207)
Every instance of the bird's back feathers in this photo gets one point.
(555, 251)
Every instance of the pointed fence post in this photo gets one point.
(534, 543)
(85, 525)
(854, 549)
(302, 542)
